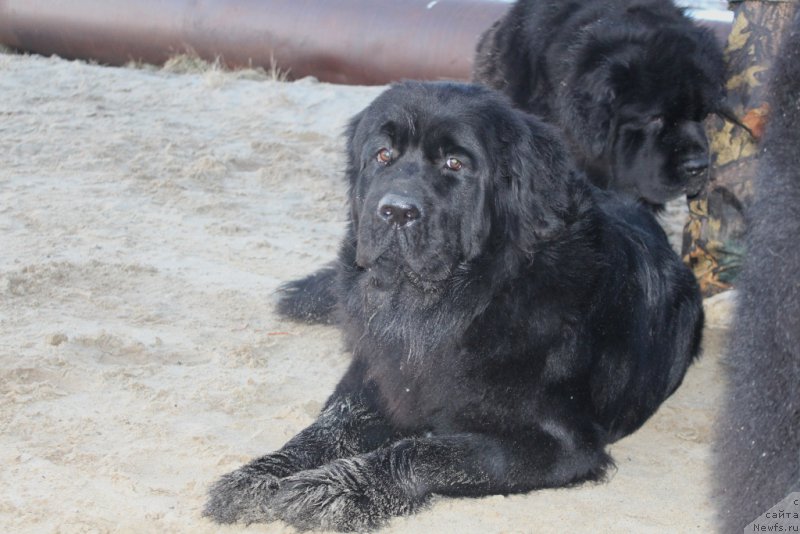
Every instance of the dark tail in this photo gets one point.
(311, 299)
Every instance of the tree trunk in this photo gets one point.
(713, 237)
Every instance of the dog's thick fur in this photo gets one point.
(627, 81)
(758, 437)
(507, 321)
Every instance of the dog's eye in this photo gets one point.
(454, 164)
(384, 156)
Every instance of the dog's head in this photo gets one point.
(441, 174)
(635, 107)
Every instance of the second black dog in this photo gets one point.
(627, 81)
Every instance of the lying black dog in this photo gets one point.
(758, 437)
(627, 81)
(507, 321)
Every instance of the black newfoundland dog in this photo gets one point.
(627, 81)
(507, 321)
(758, 437)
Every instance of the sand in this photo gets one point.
(146, 219)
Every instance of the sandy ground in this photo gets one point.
(146, 218)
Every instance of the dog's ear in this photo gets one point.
(353, 165)
(586, 112)
(353, 148)
(537, 171)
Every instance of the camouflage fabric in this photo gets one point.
(713, 237)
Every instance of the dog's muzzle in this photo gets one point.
(695, 174)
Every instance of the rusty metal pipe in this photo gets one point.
(342, 41)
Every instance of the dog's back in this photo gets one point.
(758, 462)
(523, 53)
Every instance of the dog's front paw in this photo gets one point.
(245, 494)
(351, 494)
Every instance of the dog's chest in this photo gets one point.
(419, 396)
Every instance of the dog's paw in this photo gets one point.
(346, 495)
(243, 495)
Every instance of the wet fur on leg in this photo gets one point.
(345, 427)
(245, 494)
(353, 494)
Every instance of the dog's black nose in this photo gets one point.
(695, 167)
(398, 211)
(695, 175)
